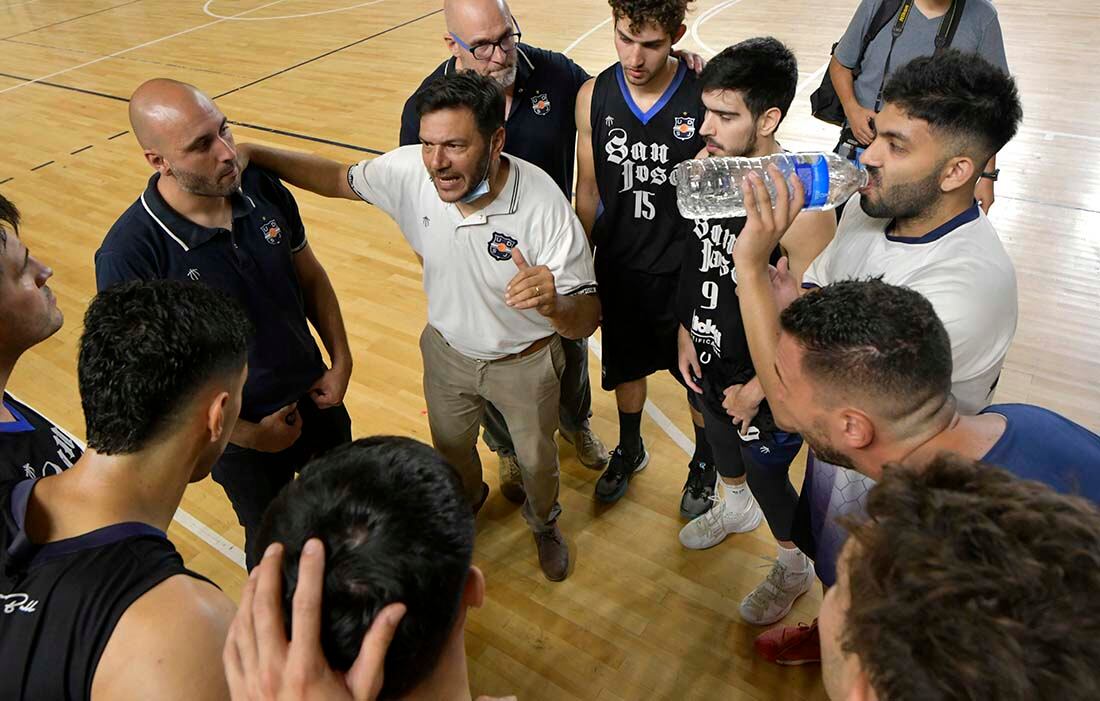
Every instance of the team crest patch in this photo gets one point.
(501, 245)
(541, 104)
(272, 233)
(684, 128)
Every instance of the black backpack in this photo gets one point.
(824, 103)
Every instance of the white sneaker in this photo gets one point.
(774, 597)
(712, 527)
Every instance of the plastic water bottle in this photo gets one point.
(709, 188)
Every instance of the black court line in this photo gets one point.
(307, 137)
(65, 87)
(71, 19)
(6, 180)
(1057, 205)
(73, 153)
(41, 166)
(121, 133)
(329, 53)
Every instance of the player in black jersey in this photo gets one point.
(96, 602)
(747, 90)
(30, 445)
(635, 122)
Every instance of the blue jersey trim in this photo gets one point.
(644, 117)
(20, 425)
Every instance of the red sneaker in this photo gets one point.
(790, 645)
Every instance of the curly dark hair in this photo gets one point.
(147, 348)
(667, 14)
(969, 583)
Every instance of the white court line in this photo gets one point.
(132, 48)
(238, 18)
(584, 36)
(653, 410)
(200, 529)
(703, 18)
(814, 78)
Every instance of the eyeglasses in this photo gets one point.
(485, 50)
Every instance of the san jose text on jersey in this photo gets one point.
(635, 153)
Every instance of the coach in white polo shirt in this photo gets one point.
(506, 269)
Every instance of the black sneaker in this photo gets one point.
(698, 490)
(612, 484)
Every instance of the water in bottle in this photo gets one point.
(710, 188)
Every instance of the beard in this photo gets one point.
(904, 200)
(741, 152)
(505, 77)
(206, 186)
(825, 451)
(481, 173)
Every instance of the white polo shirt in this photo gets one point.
(468, 260)
(963, 270)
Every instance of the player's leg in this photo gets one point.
(630, 456)
(251, 479)
(734, 508)
(454, 410)
(695, 499)
(500, 442)
(767, 462)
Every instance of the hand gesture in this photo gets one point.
(260, 665)
(329, 389)
(742, 402)
(277, 432)
(859, 121)
(766, 221)
(532, 287)
(688, 360)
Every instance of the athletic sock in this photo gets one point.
(737, 496)
(792, 559)
(703, 453)
(630, 433)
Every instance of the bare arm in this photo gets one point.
(314, 173)
(167, 645)
(576, 316)
(808, 236)
(588, 194)
(858, 116)
(323, 311)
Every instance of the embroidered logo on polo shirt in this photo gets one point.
(541, 104)
(193, 274)
(683, 128)
(272, 233)
(501, 245)
(427, 222)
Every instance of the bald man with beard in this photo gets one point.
(202, 219)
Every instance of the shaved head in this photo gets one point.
(160, 103)
(466, 17)
(185, 137)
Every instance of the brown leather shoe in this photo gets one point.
(553, 554)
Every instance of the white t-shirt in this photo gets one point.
(963, 270)
(468, 260)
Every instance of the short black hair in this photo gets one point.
(9, 219)
(962, 95)
(967, 582)
(146, 349)
(479, 94)
(762, 69)
(396, 527)
(873, 339)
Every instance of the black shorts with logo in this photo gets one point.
(639, 324)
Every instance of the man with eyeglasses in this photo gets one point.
(540, 91)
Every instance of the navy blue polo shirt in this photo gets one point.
(253, 263)
(541, 127)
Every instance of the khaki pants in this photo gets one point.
(525, 390)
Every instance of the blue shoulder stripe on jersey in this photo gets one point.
(644, 117)
(20, 425)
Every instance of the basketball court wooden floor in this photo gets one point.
(640, 617)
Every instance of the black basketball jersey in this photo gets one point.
(32, 446)
(707, 306)
(60, 602)
(638, 225)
